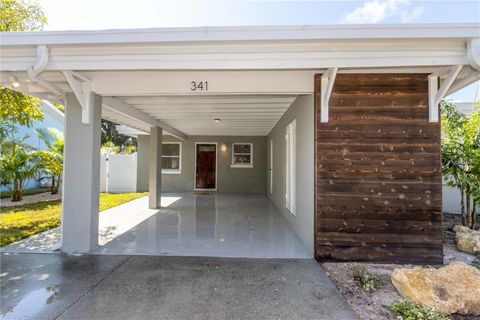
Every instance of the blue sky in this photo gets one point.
(115, 14)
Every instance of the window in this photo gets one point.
(290, 192)
(171, 157)
(242, 155)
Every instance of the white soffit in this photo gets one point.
(241, 115)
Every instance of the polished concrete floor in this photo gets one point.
(189, 224)
(56, 286)
(214, 225)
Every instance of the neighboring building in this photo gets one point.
(52, 118)
(337, 125)
(465, 107)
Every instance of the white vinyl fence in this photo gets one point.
(118, 173)
(451, 200)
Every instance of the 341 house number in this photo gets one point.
(196, 86)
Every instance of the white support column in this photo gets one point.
(81, 174)
(155, 168)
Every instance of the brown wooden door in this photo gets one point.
(206, 166)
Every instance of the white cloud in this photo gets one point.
(376, 11)
(410, 15)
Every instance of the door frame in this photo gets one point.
(195, 167)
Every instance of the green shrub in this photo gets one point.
(476, 262)
(366, 280)
(407, 310)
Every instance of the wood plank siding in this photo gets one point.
(378, 172)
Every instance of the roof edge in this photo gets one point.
(243, 33)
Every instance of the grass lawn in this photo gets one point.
(23, 221)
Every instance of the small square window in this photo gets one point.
(171, 157)
(242, 155)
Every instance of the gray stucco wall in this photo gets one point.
(303, 222)
(235, 180)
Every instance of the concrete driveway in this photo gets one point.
(55, 286)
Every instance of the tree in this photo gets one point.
(110, 133)
(17, 108)
(51, 160)
(461, 157)
(109, 147)
(18, 15)
(18, 163)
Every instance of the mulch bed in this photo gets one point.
(376, 305)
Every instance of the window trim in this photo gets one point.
(173, 171)
(238, 165)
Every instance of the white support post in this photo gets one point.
(327, 82)
(81, 89)
(155, 168)
(436, 94)
(81, 172)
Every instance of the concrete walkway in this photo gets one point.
(56, 286)
(27, 199)
(112, 223)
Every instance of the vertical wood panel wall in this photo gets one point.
(378, 172)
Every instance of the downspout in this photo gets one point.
(38, 67)
(473, 53)
(473, 57)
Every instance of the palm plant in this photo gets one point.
(52, 158)
(18, 163)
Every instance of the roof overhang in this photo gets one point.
(138, 65)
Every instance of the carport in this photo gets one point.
(318, 120)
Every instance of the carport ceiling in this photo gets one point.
(241, 115)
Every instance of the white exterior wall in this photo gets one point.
(122, 173)
(451, 200)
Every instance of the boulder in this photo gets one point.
(454, 288)
(467, 240)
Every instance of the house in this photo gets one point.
(52, 118)
(337, 125)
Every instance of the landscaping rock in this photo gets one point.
(467, 240)
(451, 289)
